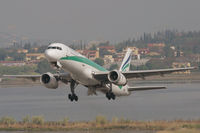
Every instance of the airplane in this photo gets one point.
(80, 70)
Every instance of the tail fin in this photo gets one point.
(125, 66)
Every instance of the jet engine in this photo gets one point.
(49, 81)
(117, 78)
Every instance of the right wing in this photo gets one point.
(161, 72)
(143, 88)
(103, 76)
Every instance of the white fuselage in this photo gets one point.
(80, 68)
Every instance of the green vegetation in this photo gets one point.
(65, 121)
(113, 66)
(99, 61)
(7, 121)
(26, 120)
(17, 69)
(182, 130)
(43, 66)
(37, 120)
(100, 123)
(101, 120)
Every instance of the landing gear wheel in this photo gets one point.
(70, 97)
(110, 95)
(113, 96)
(73, 97)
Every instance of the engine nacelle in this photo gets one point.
(117, 78)
(49, 81)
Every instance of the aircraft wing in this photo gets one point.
(161, 72)
(31, 77)
(103, 76)
(65, 77)
(143, 88)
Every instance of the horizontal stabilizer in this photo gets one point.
(143, 88)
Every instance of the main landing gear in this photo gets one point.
(110, 95)
(73, 96)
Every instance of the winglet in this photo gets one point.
(125, 66)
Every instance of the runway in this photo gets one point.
(179, 101)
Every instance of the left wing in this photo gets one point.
(31, 77)
(64, 77)
(103, 76)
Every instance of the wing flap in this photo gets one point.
(143, 88)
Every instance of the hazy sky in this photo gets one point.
(113, 20)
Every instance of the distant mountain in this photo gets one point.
(7, 39)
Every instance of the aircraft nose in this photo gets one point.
(50, 55)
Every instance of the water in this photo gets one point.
(179, 101)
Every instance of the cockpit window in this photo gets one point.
(59, 48)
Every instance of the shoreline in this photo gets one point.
(99, 124)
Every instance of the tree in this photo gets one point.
(3, 54)
(113, 66)
(99, 61)
(168, 52)
(43, 66)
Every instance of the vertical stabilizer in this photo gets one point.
(125, 66)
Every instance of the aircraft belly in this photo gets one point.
(120, 90)
(80, 72)
(117, 90)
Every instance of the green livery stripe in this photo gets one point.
(85, 61)
(125, 67)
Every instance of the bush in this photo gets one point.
(26, 120)
(65, 121)
(101, 120)
(122, 120)
(7, 120)
(115, 120)
(38, 120)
